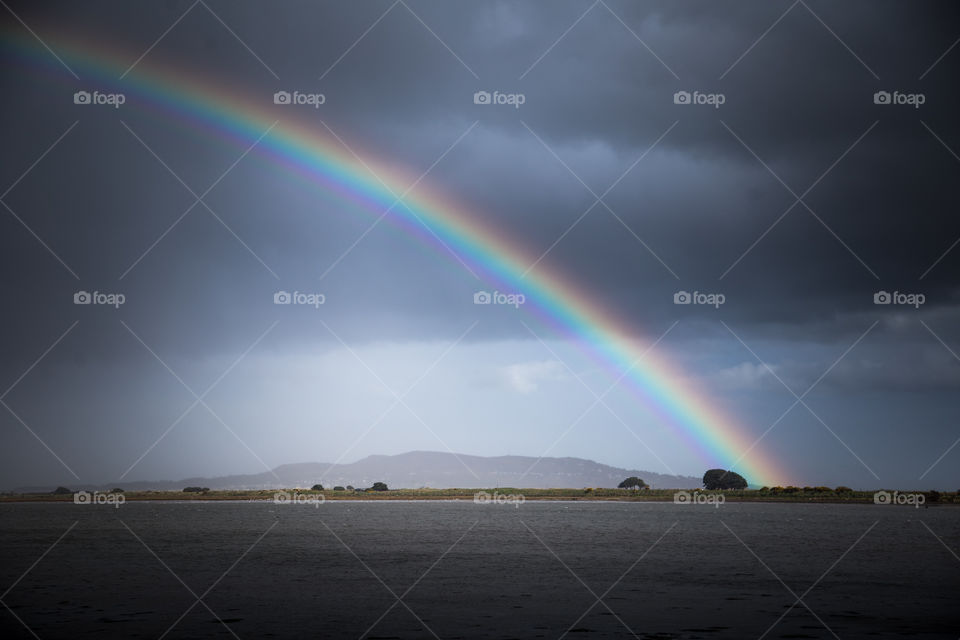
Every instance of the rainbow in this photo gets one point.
(717, 439)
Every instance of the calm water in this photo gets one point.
(479, 571)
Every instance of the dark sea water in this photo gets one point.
(460, 570)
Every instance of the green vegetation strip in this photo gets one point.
(774, 494)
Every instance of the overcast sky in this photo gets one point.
(797, 198)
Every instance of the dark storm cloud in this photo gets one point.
(598, 99)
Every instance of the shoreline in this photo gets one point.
(508, 495)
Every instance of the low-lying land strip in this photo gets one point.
(775, 494)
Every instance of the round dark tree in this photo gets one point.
(733, 480)
(712, 479)
(715, 479)
(633, 482)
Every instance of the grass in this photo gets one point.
(774, 494)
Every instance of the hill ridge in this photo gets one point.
(416, 469)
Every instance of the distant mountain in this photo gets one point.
(433, 469)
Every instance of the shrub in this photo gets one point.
(723, 479)
(196, 489)
(842, 489)
(633, 482)
(317, 487)
(339, 488)
(60, 491)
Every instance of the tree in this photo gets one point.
(317, 487)
(338, 488)
(196, 489)
(722, 479)
(379, 486)
(61, 490)
(633, 482)
(735, 481)
(350, 487)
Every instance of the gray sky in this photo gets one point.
(705, 200)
